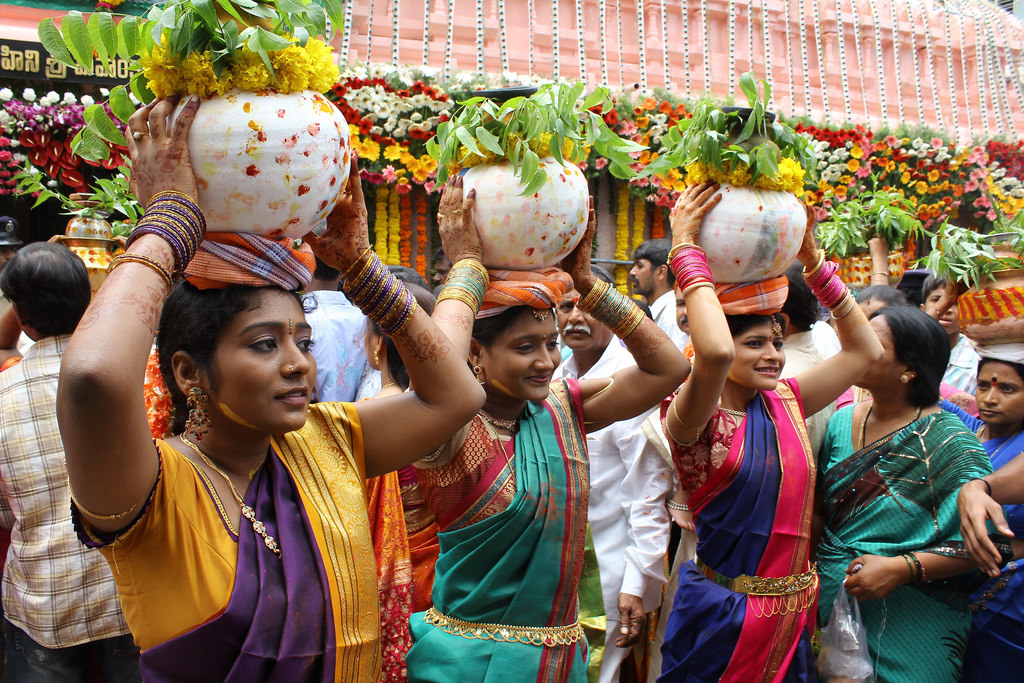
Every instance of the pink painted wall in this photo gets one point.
(956, 69)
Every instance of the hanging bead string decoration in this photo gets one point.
(706, 55)
(983, 85)
(819, 31)
(951, 75)
(995, 72)
(503, 37)
(929, 55)
(913, 53)
(686, 45)
(879, 63)
(766, 40)
(603, 26)
(1015, 73)
(641, 44)
(530, 20)
(369, 31)
(480, 36)
(732, 41)
(664, 43)
(556, 60)
(806, 70)
(395, 12)
(448, 40)
(966, 82)
(844, 80)
(618, 45)
(789, 56)
(860, 58)
(581, 43)
(346, 41)
(426, 32)
(751, 65)
(896, 56)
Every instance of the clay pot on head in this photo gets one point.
(855, 270)
(266, 163)
(752, 234)
(96, 253)
(994, 314)
(536, 231)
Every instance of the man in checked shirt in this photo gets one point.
(59, 599)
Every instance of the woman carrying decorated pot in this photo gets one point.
(510, 491)
(743, 610)
(997, 626)
(890, 470)
(240, 546)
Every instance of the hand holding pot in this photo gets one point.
(694, 203)
(159, 151)
(347, 235)
(577, 263)
(808, 254)
(459, 236)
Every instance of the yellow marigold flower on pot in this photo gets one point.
(249, 73)
(161, 72)
(324, 71)
(292, 66)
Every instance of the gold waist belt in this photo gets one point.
(762, 585)
(548, 636)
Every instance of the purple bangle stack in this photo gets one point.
(174, 217)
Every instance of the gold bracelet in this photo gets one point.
(695, 286)
(151, 263)
(595, 294)
(844, 307)
(821, 260)
(681, 245)
(94, 515)
(172, 193)
(348, 271)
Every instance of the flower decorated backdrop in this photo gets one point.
(393, 111)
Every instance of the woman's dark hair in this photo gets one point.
(738, 324)
(49, 285)
(801, 305)
(890, 296)
(1017, 367)
(486, 330)
(192, 320)
(919, 342)
(396, 366)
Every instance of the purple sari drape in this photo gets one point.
(277, 625)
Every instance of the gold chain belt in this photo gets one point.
(762, 585)
(548, 636)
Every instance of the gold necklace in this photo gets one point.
(259, 527)
(864, 423)
(509, 425)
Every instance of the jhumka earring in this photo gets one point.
(479, 373)
(198, 421)
(904, 378)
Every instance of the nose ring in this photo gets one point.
(291, 368)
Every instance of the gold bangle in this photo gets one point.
(595, 294)
(348, 271)
(95, 515)
(821, 260)
(151, 263)
(695, 286)
(844, 307)
(681, 245)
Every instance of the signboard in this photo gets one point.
(20, 59)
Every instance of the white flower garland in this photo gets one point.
(448, 39)
(917, 68)
(879, 63)
(664, 43)
(502, 37)
(954, 104)
(844, 80)
(732, 41)
(581, 43)
(686, 47)
(369, 32)
(530, 20)
(555, 64)
(766, 40)
(803, 58)
(819, 47)
(480, 36)
(347, 33)
(395, 10)
(706, 56)
(641, 44)
(896, 60)
(930, 57)
(1004, 117)
(603, 25)
(860, 59)
(426, 31)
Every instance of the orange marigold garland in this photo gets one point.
(622, 236)
(394, 228)
(158, 399)
(380, 223)
(405, 233)
(422, 228)
(658, 224)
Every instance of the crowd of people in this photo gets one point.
(521, 475)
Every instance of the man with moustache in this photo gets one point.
(629, 484)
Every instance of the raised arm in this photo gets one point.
(823, 383)
(879, 250)
(709, 332)
(660, 365)
(112, 463)
(399, 430)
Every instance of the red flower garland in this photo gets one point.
(422, 228)
(405, 234)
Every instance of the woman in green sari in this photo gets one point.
(889, 473)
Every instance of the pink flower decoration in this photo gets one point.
(600, 163)
(892, 141)
(5, 155)
(864, 171)
(627, 128)
(937, 142)
(403, 188)
(429, 185)
(388, 174)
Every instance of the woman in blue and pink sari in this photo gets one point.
(744, 609)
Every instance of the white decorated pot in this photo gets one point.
(526, 233)
(752, 234)
(268, 163)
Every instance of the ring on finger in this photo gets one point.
(138, 135)
(457, 212)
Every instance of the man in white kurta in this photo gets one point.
(629, 484)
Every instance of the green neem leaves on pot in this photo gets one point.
(853, 221)
(556, 121)
(966, 255)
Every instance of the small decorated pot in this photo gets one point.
(90, 224)
(96, 253)
(855, 270)
(266, 163)
(752, 234)
(526, 233)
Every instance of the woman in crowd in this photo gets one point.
(404, 533)
(997, 626)
(890, 469)
(743, 608)
(240, 546)
(510, 490)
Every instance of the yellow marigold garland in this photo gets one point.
(791, 176)
(639, 222)
(422, 226)
(394, 228)
(296, 68)
(380, 223)
(622, 237)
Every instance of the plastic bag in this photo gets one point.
(844, 644)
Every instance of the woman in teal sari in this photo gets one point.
(889, 472)
(510, 491)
